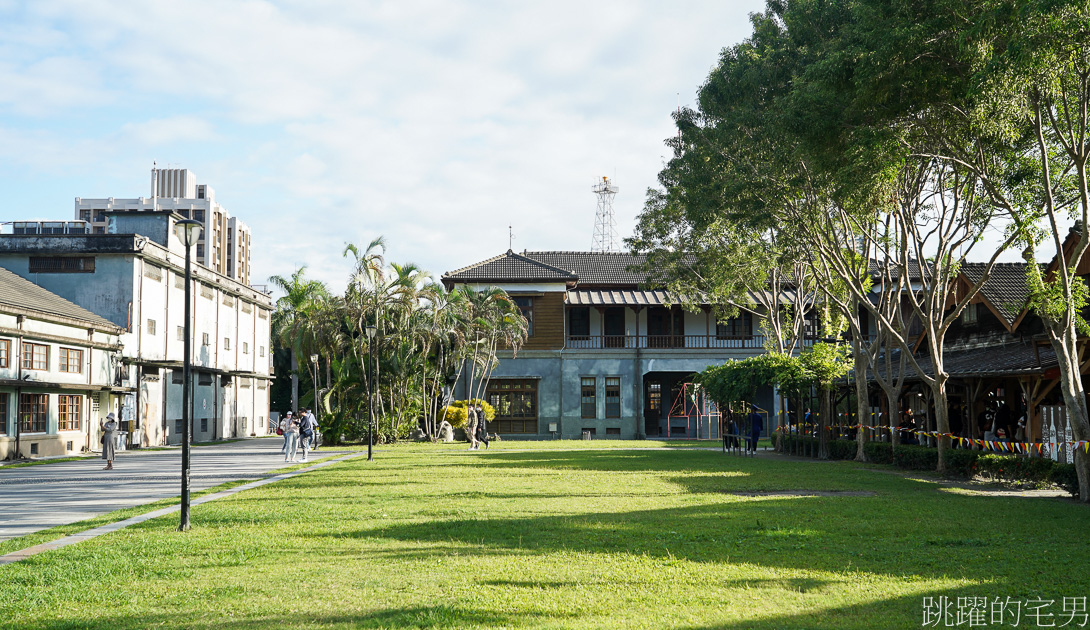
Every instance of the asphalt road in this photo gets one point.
(38, 497)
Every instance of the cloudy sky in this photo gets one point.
(435, 124)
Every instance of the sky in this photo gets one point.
(433, 124)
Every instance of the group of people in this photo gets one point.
(300, 433)
(753, 422)
(477, 428)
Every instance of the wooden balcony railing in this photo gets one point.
(694, 342)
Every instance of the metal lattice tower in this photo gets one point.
(605, 232)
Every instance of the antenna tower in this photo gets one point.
(605, 232)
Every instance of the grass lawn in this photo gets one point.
(533, 535)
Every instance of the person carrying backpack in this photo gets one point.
(306, 432)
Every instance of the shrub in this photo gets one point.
(912, 457)
(1012, 468)
(878, 452)
(1065, 476)
(458, 415)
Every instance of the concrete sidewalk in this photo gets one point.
(33, 498)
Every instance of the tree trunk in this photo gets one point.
(1066, 348)
(826, 413)
(942, 418)
(862, 403)
(294, 382)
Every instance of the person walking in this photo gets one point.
(109, 440)
(306, 432)
(471, 427)
(482, 427)
(756, 425)
(282, 429)
(314, 429)
(291, 437)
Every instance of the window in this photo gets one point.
(178, 426)
(85, 214)
(515, 402)
(735, 327)
(198, 215)
(588, 397)
(969, 315)
(654, 396)
(204, 425)
(200, 251)
(613, 397)
(226, 343)
(579, 321)
(62, 264)
(526, 307)
(204, 339)
(5, 353)
(99, 229)
(35, 356)
(181, 333)
(33, 411)
(68, 412)
(261, 351)
(100, 215)
(245, 348)
(3, 414)
(151, 326)
(71, 360)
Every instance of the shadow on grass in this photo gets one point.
(926, 539)
(407, 617)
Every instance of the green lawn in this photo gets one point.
(530, 535)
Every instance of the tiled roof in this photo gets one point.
(1005, 289)
(511, 267)
(18, 292)
(595, 267)
(1005, 360)
(913, 270)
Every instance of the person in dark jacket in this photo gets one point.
(482, 427)
(756, 425)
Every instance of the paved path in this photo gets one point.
(33, 498)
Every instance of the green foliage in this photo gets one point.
(1047, 298)
(1013, 468)
(457, 413)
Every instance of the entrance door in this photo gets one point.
(613, 327)
(652, 407)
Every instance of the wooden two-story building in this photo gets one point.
(603, 355)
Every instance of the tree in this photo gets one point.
(291, 321)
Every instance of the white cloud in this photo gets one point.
(437, 124)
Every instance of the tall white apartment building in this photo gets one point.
(225, 241)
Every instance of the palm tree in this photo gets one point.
(291, 321)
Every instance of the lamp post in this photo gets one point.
(371, 331)
(317, 409)
(188, 231)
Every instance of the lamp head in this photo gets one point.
(189, 231)
(313, 358)
(371, 332)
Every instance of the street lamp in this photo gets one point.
(188, 231)
(371, 332)
(317, 409)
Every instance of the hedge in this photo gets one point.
(959, 462)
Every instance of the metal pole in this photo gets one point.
(186, 369)
(371, 400)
